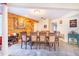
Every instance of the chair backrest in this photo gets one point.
(47, 33)
(23, 36)
(42, 36)
(33, 33)
(17, 34)
(42, 33)
(34, 36)
(57, 34)
(51, 37)
(38, 33)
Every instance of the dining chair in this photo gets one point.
(38, 38)
(24, 39)
(17, 37)
(34, 38)
(47, 37)
(42, 39)
(57, 34)
(52, 41)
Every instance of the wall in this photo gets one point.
(40, 25)
(64, 27)
(27, 21)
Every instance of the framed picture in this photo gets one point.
(19, 23)
(45, 26)
(73, 23)
(60, 21)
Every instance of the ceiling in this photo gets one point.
(46, 10)
(46, 5)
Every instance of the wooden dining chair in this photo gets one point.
(17, 37)
(34, 38)
(38, 38)
(42, 39)
(57, 34)
(23, 39)
(47, 37)
(52, 42)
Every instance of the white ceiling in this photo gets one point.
(46, 5)
(48, 11)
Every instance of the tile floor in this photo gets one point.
(63, 50)
(0, 53)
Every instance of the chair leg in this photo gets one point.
(21, 44)
(39, 45)
(54, 46)
(25, 45)
(31, 45)
(30, 42)
(58, 43)
(39, 42)
(45, 45)
(49, 46)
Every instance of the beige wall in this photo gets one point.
(64, 27)
(29, 23)
(40, 25)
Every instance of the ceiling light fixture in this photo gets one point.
(37, 12)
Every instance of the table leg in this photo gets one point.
(68, 40)
(78, 42)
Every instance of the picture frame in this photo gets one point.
(19, 23)
(73, 23)
(45, 26)
(60, 22)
